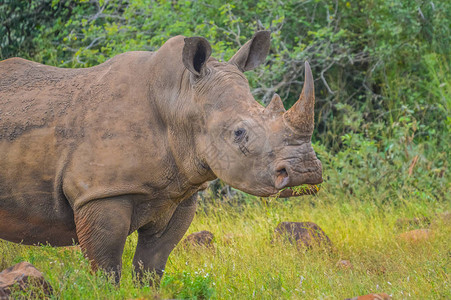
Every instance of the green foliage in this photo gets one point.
(186, 285)
(382, 70)
(36, 29)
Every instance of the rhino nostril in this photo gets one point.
(282, 172)
(282, 178)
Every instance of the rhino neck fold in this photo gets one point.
(172, 98)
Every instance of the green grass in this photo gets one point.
(244, 263)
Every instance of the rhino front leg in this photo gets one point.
(102, 229)
(153, 249)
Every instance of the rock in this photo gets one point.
(154, 297)
(21, 277)
(442, 219)
(376, 269)
(304, 234)
(445, 217)
(414, 222)
(344, 264)
(381, 296)
(416, 235)
(202, 238)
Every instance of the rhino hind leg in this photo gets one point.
(153, 249)
(102, 229)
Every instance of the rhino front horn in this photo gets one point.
(300, 115)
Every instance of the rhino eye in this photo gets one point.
(239, 134)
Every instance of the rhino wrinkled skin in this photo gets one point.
(91, 155)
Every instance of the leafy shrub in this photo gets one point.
(382, 70)
(197, 285)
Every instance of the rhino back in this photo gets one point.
(33, 96)
(46, 113)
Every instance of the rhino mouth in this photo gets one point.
(305, 190)
(289, 177)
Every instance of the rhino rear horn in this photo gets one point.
(301, 115)
(275, 106)
(253, 53)
(195, 54)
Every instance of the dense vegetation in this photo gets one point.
(382, 73)
(382, 70)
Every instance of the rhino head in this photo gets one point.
(252, 148)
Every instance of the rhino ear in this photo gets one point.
(195, 54)
(253, 53)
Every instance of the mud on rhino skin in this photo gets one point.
(91, 155)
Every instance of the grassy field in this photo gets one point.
(382, 72)
(245, 264)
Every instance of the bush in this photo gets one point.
(382, 70)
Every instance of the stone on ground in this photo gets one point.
(413, 222)
(22, 277)
(381, 296)
(202, 238)
(303, 234)
(442, 219)
(415, 236)
(344, 264)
